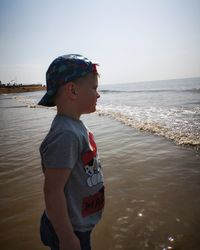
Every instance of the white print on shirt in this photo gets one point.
(94, 172)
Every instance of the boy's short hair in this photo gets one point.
(62, 70)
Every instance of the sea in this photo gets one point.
(168, 108)
(148, 137)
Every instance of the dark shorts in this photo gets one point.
(50, 239)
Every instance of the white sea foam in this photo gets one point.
(169, 123)
(27, 101)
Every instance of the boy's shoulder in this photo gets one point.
(65, 131)
(65, 128)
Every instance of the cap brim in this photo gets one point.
(47, 100)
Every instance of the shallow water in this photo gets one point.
(152, 193)
(152, 184)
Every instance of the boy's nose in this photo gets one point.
(98, 95)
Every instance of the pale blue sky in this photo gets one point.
(133, 40)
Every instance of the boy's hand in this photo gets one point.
(72, 244)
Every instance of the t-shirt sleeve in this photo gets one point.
(61, 151)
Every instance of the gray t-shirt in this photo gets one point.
(69, 144)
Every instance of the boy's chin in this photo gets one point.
(92, 110)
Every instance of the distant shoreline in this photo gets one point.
(21, 89)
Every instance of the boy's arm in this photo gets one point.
(56, 205)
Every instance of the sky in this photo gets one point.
(133, 40)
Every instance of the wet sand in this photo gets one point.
(152, 185)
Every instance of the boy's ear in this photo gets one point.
(71, 90)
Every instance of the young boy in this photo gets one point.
(73, 184)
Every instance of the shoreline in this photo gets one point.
(21, 89)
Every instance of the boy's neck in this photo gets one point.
(69, 113)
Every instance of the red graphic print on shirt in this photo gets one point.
(88, 156)
(92, 168)
(93, 203)
(91, 162)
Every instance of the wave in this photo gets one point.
(106, 91)
(167, 123)
(5, 98)
(28, 102)
(179, 137)
(11, 107)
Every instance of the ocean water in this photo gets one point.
(148, 139)
(169, 108)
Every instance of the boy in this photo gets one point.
(73, 185)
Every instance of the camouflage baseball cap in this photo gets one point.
(62, 70)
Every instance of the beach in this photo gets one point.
(21, 89)
(152, 182)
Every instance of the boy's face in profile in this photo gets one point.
(87, 93)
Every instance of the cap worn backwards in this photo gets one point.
(62, 70)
